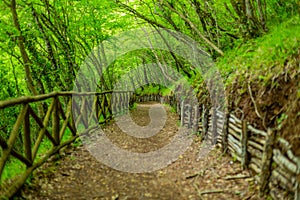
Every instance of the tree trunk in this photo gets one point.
(21, 44)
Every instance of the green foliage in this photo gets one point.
(282, 117)
(167, 91)
(258, 57)
(153, 89)
(280, 10)
(234, 157)
(57, 38)
(172, 109)
(134, 105)
(13, 168)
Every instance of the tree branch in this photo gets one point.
(192, 25)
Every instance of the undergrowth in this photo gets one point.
(264, 56)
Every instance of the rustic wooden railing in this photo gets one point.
(62, 113)
(275, 166)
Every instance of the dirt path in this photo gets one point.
(78, 175)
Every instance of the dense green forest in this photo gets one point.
(43, 43)
(254, 43)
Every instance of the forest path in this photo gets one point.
(78, 175)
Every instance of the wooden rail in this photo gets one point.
(64, 110)
(270, 157)
(275, 166)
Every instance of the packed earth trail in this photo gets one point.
(78, 175)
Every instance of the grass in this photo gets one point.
(263, 56)
(12, 168)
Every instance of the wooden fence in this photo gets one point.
(61, 113)
(276, 169)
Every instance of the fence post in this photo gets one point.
(126, 101)
(244, 142)
(204, 121)
(55, 121)
(27, 139)
(103, 106)
(266, 163)
(225, 133)
(178, 107)
(214, 125)
(196, 118)
(297, 191)
(190, 114)
(162, 100)
(182, 113)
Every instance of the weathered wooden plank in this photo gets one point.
(284, 162)
(257, 139)
(214, 125)
(233, 119)
(55, 121)
(280, 177)
(257, 161)
(244, 144)
(256, 131)
(43, 130)
(255, 145)
(266, 162)
(225, 133)
(196, 119)
(233, 133)
(182, 113)
(27, 138)
(254, 167)
(297, 191)
(70, 120)
(235, 128)
(66, 118)
(232, 139)
(31, 99)
(234, 154)
(234, 144)
(254, 152)
(94, 110)
(288, 149)
(205, 120)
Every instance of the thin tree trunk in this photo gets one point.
(21, 43)
(192, 25)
